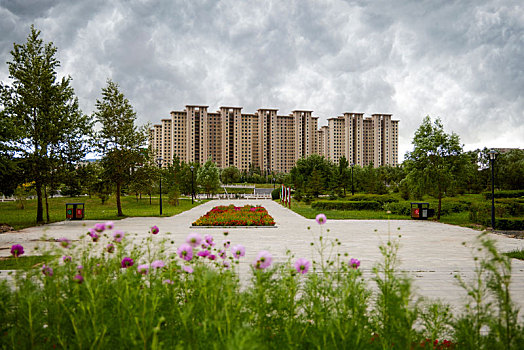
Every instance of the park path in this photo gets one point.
(432, 253)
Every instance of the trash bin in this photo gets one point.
(421, 211)
(75, 211)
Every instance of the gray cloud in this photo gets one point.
(461, 61)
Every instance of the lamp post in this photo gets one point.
(492, 156)
(159, 162)
(352, 186)
(192, 180)
(274, 183)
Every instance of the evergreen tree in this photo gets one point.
(208, 177)
(121, 141)
(47, 128)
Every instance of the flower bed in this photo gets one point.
(247, 215)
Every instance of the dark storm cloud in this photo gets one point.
(459, 60)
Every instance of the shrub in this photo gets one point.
(381, 198)
(505, 194)
(509, 224)
(275, 194)
(398, 208)
(347, 205)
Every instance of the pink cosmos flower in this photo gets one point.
(212, 257)
(222, 253)
(203, 253)
(64, 242)
(100, 227)
(47, 270)
(109, 225)
(110, 248)
(142, 269)
(80, 267)
(209, 240)
(127, 262)
(194, 239)
(66, 258)
(78, 279)
(302, 265)
(118, 236)
(227, 244)
(158, 264)
(354, 263)
(321, 219)
(187, 269)
(185, 251)
(168, 282)
(155, 230)
(263, 260)
(226, 264)
(238, 251)
(17, 250)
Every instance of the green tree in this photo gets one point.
(300, 174)
(344, 174)
(121, 141)
(47, 126)
(510, 170)
(436, 161)
(230, 175)
(208, 177)
(143, 180)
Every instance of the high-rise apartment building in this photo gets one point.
(273, 142)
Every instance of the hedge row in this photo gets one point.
(505, 194)
(404, 208)
(381, 198)
(347, 205)
(509, 224)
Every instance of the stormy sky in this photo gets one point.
(462, 61)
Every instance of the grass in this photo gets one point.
(516, 254)
(94, 209)
(25, 262)
(306, 211)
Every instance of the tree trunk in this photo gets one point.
(39, 206)
(439, 204)
(118, 204)
(149, 198)
(46, 205)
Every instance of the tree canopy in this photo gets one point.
(46, 127)
(436, 161)
(120, 140)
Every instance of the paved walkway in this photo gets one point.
(430, 252)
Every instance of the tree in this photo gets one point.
(47, 126)
(208, 177)
(230, 175)
(121, 142)
(301, 173)
(436, 161)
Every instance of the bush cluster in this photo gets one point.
(505, 194)
(381, 198)
(347, 205)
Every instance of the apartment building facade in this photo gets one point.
(273, 142)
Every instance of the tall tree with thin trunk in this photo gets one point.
(436, 161)
(121, 141)
(48, 128)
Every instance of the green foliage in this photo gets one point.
(208, 177)
(505, 194)
(374, 197)
(275, 194)
(46, 128)
(346, 205)
(311, 174)
(230, 175)
(121, 142)
(509, 170)
(516, 254)
(436, 161)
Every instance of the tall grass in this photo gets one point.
(202, 303)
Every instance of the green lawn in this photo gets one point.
(310, 213)
(94, 210)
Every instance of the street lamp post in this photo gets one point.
(352, 186)
(159, 161)
(492, 156)
(192, 188)
(274, 183)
